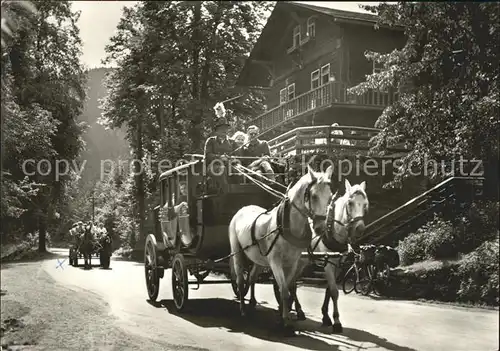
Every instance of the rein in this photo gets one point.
(308, 213)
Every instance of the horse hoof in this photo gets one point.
(301, 316)
(327, 322)
(337, 328)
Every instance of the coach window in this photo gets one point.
(183, 187)
(164, 191)
(173, 189)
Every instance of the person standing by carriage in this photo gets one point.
(217, 149)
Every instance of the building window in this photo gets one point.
(296, 36)
(311, 27)
(287, 93)
(291, 91)
(282, 96)
(325, 74)
(315, 79)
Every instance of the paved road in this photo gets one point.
(212, 321)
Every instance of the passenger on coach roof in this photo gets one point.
(240, 138)
(258, 148)
(218, 148)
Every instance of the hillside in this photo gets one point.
(101, 144)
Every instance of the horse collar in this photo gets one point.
(283, 222)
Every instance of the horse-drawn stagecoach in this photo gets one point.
(192, 223)
(191, 228)
(90, 242)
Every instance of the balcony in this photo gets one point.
(318, 139)
(333, 93)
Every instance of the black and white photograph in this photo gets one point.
(250, 175)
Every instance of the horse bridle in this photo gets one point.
(351, 221)
(310, 213)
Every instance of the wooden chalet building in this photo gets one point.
(307, 57)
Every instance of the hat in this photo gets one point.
(222, 121)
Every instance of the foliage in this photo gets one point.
(448, 73)
(435, 240)
(113, 207)
(10, 12)
(441, 239)
(174, 61)
(472, 279)
(479, 274)
(42, 96)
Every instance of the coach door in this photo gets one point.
(167, 214)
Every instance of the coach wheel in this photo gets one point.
(151, 273)
(179, 282)
(246, 276)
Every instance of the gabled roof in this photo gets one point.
(347, 15)
(261, 48)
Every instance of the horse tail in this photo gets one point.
(233, 238)
(237, 259)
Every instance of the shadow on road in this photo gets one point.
(93, 266)
(261, 324)
(34, 257)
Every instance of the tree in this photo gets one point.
(43, 94)
(449, 67)
(175, 61)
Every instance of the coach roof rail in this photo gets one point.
(178, 168)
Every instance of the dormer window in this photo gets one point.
(311, 27)
(296, 36)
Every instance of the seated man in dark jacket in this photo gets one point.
(217, 149)
(258, 148)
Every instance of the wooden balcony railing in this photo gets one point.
(326, 138)
(324, 96)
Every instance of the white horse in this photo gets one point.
(276, 238)
(346, 224)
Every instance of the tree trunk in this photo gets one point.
(42, 232)
(139, 181)
(197, 112)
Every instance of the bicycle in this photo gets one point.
(374, 273)
(351, 277)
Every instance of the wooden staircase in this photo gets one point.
(396, 224)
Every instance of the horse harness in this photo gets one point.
(283, 223)
(330, 242)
